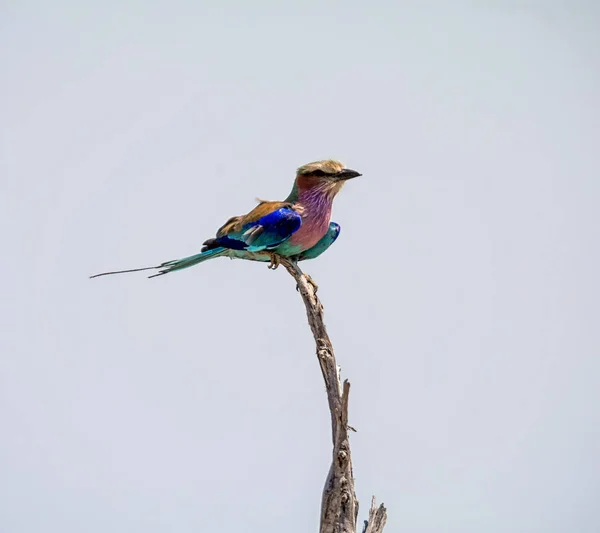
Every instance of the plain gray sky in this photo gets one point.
(462, 295)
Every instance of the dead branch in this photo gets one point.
(339, 506)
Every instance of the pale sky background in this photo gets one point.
(462, 295)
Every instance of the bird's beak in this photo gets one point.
(347, 174)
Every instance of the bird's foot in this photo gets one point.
(275, 261)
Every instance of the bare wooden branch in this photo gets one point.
(377, 518)
(339, 506)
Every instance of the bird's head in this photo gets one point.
(328, 176)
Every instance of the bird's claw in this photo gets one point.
(275, 262)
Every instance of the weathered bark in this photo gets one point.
(339, 506)
(377, 518)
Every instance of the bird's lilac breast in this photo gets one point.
(316, 214)
(310, 233)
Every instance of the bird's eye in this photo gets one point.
(318, 172)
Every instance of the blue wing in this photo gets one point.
(264, 228)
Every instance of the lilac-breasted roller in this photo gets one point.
(298, 228)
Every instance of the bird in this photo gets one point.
(298, 228)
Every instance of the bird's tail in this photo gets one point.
(171, 266)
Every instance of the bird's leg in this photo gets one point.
(275, 261)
